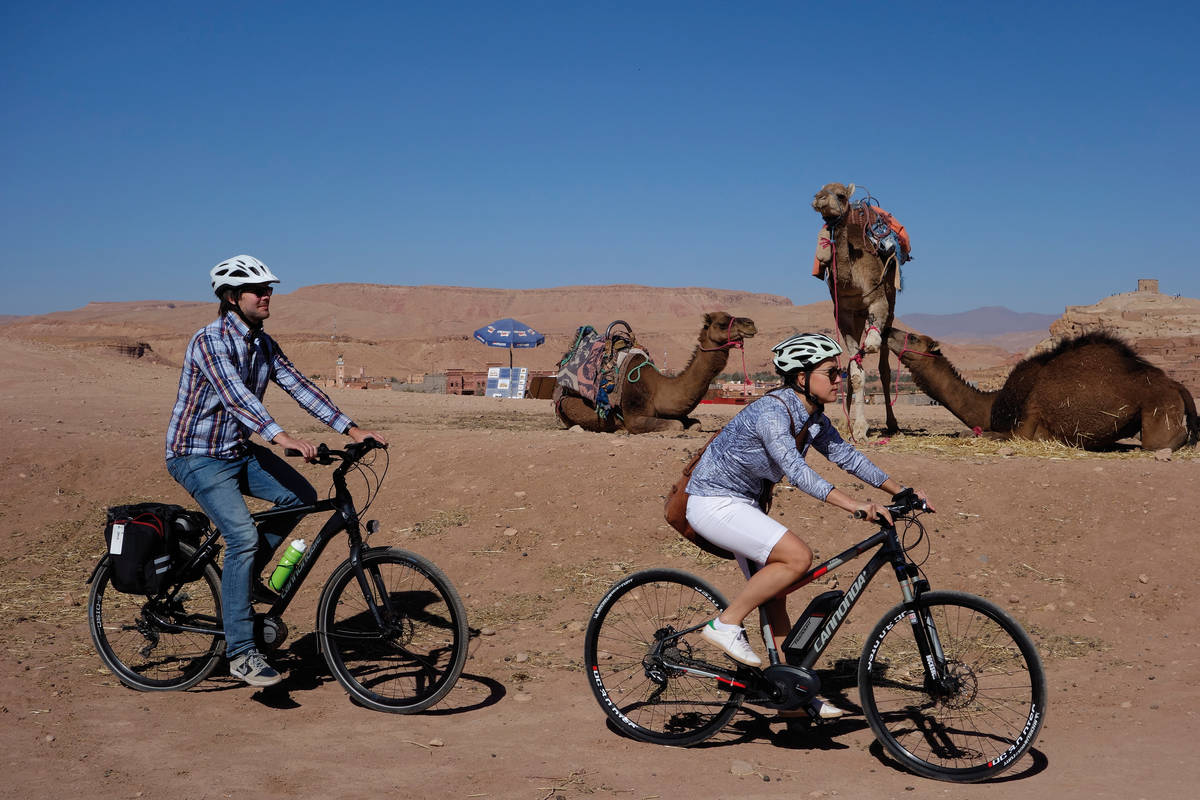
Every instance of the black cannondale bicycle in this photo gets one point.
(389, 623)
(950, 684)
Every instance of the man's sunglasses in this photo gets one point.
(260, 290)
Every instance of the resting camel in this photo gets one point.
(651, 401)
(863, 289)
(1087, 392)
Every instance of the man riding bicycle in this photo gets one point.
(759, 444)
(226, 369)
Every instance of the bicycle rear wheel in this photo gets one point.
(411, 662)
(132, 633)
(973, 722)
(643, 698)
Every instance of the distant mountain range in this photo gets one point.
(979, 323)
(411, 330)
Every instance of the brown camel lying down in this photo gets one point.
(1087, 392)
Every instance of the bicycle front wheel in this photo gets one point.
(643, 697)
(137, 638)
(413, 659)
(974, 721)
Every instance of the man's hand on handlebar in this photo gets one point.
(303, 447)
(358, 435)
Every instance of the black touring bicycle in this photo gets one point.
(389, 623)
(950, 684)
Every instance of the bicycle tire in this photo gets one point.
(137, 649)
(668, 708)
(416, 660)
(985, 720)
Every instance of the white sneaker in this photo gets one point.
(827, 710)
(733, 642)
(821, 708)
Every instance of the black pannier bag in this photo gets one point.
(142, 546)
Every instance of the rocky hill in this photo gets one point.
(409, 331)
(1165, 329)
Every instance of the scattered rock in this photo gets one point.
(519, 495)
(1089, 619)
(1143, 578)
(510, 531)
(741, 768)
(1162, 455)
(575, 626)
(487, 631)
(436, 743)
(521, 658)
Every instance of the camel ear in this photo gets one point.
(849, 190)
(708, 318)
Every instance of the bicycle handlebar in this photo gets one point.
(352, 452)
(904, 502)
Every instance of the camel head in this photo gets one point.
(833, 201)
(908, 346)
(721, 328)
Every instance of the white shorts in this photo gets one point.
(736, 524)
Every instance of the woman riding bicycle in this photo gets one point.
(759, 444)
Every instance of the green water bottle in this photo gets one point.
(291, 557)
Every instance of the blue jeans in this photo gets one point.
(218, 485)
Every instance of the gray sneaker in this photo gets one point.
(252, 668)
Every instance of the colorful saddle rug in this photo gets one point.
(592, 367)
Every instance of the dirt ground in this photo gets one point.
(1092, 553)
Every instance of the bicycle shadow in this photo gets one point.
(306, 670)
(754, 723)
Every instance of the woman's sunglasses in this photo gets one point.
(833, 374)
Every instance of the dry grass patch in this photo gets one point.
(957, 446)
(591, 577)
(1065, 645)
(442, 520)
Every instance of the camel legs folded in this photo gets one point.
(572, 410)
(636, 423)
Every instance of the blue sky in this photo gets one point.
(1040, 155)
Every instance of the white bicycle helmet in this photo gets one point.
(239, 271)
(803, 351)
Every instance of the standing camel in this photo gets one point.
(1087, 392)
(651, 401)
(863, 289)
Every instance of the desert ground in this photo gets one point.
(1090, 552)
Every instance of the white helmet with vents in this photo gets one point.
(240, 271)
(803, 351)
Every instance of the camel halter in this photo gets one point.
(730, 343)
(904, 348)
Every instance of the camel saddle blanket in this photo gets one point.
(592, 366)
(879, 229)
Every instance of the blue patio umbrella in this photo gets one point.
(509, 333)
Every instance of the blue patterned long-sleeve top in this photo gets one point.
(225, 374)
(758, 444)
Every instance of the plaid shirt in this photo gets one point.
(225, 374)
(758, 444)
